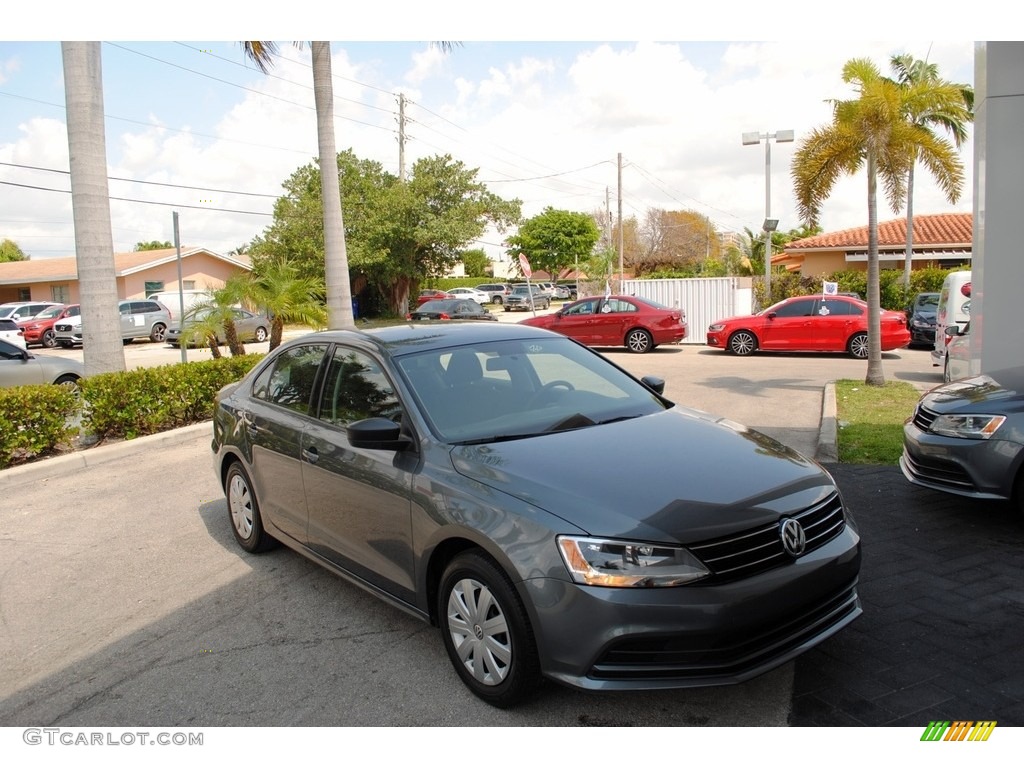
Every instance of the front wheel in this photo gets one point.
(244, 511)
(486, 631)
(858, 346)
(49, 339)
(638, 340)
(742, 343)
(159, 332)
(66, 344)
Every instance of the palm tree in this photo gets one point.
(276, 287)
(339, 290)
(90, 201)
(873, 132)
(952, 117)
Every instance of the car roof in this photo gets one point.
(397, 340)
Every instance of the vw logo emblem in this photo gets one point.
(794, 540)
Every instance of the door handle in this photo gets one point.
(311, 455)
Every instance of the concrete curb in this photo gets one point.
(101, 454)
(828, 448)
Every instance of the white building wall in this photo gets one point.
(703, 299)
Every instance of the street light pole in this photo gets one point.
(755, 138)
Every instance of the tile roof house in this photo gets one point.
(940, 240)
(138, 274)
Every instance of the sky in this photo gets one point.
(192, 127)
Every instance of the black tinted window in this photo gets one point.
(801, 308)
(356, 388)
(289, 380)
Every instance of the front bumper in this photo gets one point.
(695, 636)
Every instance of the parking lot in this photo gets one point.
(125, 601)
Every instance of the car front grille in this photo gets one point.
(744, 554)
(924, 418)
(62, 328)
(704, 659)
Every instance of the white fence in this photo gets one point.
(703, 299)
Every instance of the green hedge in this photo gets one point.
(148, 400)
(39, 421)
(36, 421)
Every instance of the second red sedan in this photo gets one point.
(808, 324)
(616, 321)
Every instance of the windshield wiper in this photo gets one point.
(497, 439)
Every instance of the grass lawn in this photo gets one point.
(871, 420)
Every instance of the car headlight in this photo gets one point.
(716, 327)
(975, 426)
(610, 563)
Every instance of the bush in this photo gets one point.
(148, 400)
(36, 421)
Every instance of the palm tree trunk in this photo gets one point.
(90, 200)
(907, 267)
(875, 375)
(339, 292)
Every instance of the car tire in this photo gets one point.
(742, 343)
(48, 339)
(66, 344)
(261, 334)
(158, 332)
(244, 511)
(638, 340)
(486, 631)
(68, 378)
(858, 346)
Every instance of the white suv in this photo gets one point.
(140, 318)
(10, 332)
(24, 310)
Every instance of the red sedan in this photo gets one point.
(809, 324)
(616, 321)
(430, 294)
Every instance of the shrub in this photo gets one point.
(36, 421)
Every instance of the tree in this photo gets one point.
(872, 132)
(951, 113)
(90, 202)
(153, 245)
(555, 239)
(9, 251)
(277, 287)
(475, 262)
(675, 240)
(337, 280)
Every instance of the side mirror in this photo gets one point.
(954, 330)
(377, 433)
(654, 383)
(771, 315)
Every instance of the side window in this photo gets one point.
(802, 308)
(356, 388)
(583, 308)
(289, 380)
(620, 305)
(832, 307)
(125, 308)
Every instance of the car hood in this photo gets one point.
(1001, 391)
(678, 475)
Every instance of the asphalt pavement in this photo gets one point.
(941, 582)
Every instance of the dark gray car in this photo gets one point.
(967, 437)
(553, 515)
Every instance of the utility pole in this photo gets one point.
(622, 239)
(401, 137)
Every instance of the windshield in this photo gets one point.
(50, 312)
(507, 390)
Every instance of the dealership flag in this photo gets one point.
(829, 289)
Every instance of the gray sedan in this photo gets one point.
(553, 515)
(967, 437)
(249, 326)
(19, 367)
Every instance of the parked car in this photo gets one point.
(19, 367)
(248, 325)
(480, 297)
(808, 324)
(921, 319)
(23, 310)
(957, 364)
(470, 473)
(548, 289)
(39, 329)
(429, 294)
(140, 319)
(967, 437)
(450, 309)
(497, 291)
(616, 321)
(178, 303)
(11, 333)
(954, 308)
(519, 299)
(567, 291)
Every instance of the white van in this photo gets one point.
(172, 300)
(954, 309)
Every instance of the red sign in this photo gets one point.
(525, 264)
